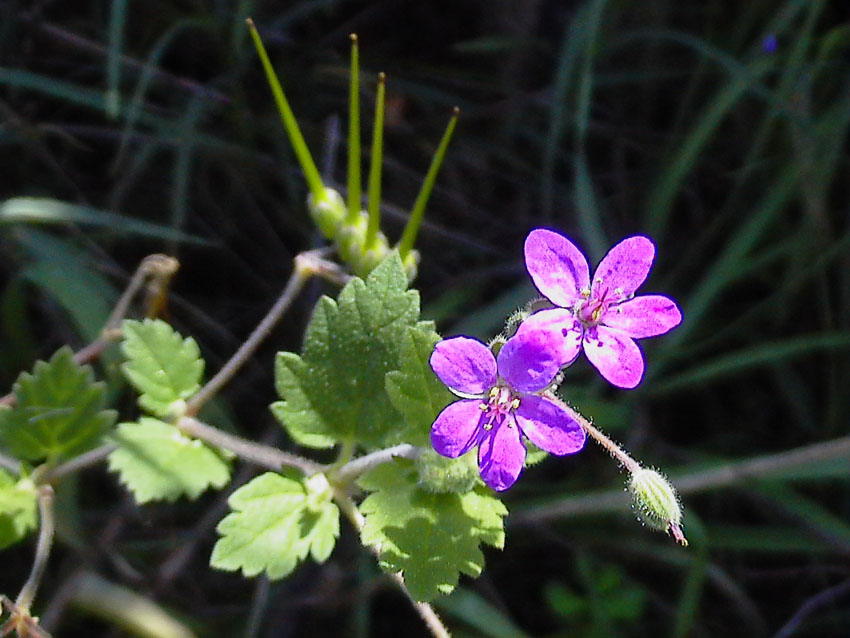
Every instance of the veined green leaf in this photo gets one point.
(18, 509)
(158, 463)
(59, 411)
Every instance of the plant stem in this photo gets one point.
(354, 135)
(81, 462)
(296, 282)
(425, 611)
(42, 550)
(263, 455)
(612, 448)
(350, 471)
(695, 482)
(374, 203)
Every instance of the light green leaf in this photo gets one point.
(415, 391)
(160, 364)
(59, 411)
(18, 509)
(428, 537)
(158, 463)
(335, 390)
(273, 527)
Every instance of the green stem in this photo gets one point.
(354, 135)
(408, 238)
(311, 173)
(375, 166)
(42, 550)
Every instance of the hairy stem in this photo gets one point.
(350, 471)
(263, 455)
(42, 550)
(81, 462)
(425, 611)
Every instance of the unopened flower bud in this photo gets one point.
(318, 491)
(656, 503)
(411, 264)
(327, 212)
(440, 475)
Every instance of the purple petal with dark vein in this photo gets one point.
(556, 266)
(549, 426)
(457, 428)
(465, 365)
(644, 316)
(625, 267)
(563, 323)
(615, 355)
(530, 361)
(501, 455)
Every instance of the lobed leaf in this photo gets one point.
(273, 527)
(18, 509)
(160, 364)
(59, 411)
(158, 463)
(335, 389)
(428, 537)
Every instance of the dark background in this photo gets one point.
(600, 119)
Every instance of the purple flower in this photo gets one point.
(499, 407)
(603, 317)
(770, 44)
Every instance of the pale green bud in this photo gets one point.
(411, 264)
(318, 491)
(328, 212)
(440, 474)
(352, 237)
(656, 502)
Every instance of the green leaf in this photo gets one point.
(415, 391)
(335, 389)
(429, 537)
(59, 411)
(273, 526)
(158, 463)
(18, 509)
(163, 366)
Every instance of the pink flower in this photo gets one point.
(603, 317)
(500, 406)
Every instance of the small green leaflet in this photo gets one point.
(158, 463)
(335, 389)
(163, 366)
(59, 411)
(415, 390)
(18, 509)
(429, 537)
(275, 523)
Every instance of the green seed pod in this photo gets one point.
(411, 264)
(656, 502)
(328, 212)
(352, 237)
(440, 475)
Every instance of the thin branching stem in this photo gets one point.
(42, 550)
(425, 611)
(350, 471)
(81, 462)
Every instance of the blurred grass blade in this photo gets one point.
(117, 19)
(34, 210)
(408, 237)
(472, 609)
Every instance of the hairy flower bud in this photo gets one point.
(439, 474)
(328, 212)
(656, 503)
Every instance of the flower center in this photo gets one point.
(590, 309)
(499, 404)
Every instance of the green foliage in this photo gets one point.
(429, 537)
(160, 364)
(415, 391)
(59, 411)
(276, 521)
(18, 509)
(158, 463)
(335, 389)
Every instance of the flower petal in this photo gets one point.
(556, 266)
(564, 324)
(615, 355)
(624, 268)
(465, 365)
(530, 361)
(549, 426)
(456, 429)
(644, 316)
(501, 455)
